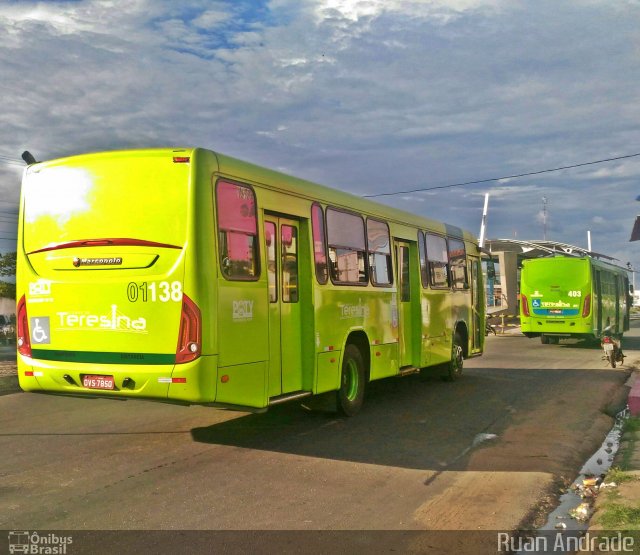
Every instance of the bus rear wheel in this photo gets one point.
(455, 365)
(351, 393)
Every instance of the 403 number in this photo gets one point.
(162, 291)
(575, 293)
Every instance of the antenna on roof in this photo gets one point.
(28, 158)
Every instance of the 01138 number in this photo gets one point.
(161, 291)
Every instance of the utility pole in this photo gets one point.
(483, 224)
(544, 218)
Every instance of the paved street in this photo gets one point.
(414, 458)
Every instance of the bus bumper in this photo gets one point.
(193, 382)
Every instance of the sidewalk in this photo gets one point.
(505, 325)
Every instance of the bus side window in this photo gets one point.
(405, 276)
(379, 245)
(289, 264)
(237, 231)
(424, 274)
(345, 237)
(457, 260)
(272, 266)
(319, 246)
(437, 260)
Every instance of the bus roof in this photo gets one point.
(575, 258)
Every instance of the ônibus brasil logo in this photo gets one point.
(39, 544)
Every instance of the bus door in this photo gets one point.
(598, 302)
(477, 302)
(405, 319)
(282, 244)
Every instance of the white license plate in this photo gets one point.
(608, 346)
(98, 382)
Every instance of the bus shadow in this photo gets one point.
(410, 423)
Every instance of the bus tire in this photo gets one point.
(544, 339)
(455, 365)
(351, 393)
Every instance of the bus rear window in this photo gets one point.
(237, 231)
(140, 198)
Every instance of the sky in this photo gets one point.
(367, 96)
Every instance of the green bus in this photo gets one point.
(573, 296)
(188, 276)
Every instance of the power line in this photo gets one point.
(475, 182)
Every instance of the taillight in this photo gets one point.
(607, 339)
(190, 337)
(525, 305)
(586, 309)
(24, 338)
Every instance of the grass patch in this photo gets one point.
(617, 516)
(630, 430)
(632, 424)
(619, 476)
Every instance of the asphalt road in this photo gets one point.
(413, 459)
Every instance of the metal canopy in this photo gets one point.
(536, 249)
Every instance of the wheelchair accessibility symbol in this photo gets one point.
(535, 303)
(40, 330)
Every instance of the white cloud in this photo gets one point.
(368, 95)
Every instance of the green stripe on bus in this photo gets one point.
(103, 357)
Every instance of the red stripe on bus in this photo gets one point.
(122, 242)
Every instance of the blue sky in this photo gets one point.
(368, 96)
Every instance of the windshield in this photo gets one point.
(141, 197)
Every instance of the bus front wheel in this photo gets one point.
(351, 393)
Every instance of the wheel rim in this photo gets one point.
(350, 380)
(457, 358)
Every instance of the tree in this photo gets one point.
(7, 290)
(8, 264)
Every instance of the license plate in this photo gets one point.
(555, 311)
(98, 382)
(608, 346)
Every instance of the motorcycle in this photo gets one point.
(612, 347)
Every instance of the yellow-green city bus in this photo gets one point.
(567, 296)
(187, 276)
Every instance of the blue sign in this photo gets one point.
(535, 303)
